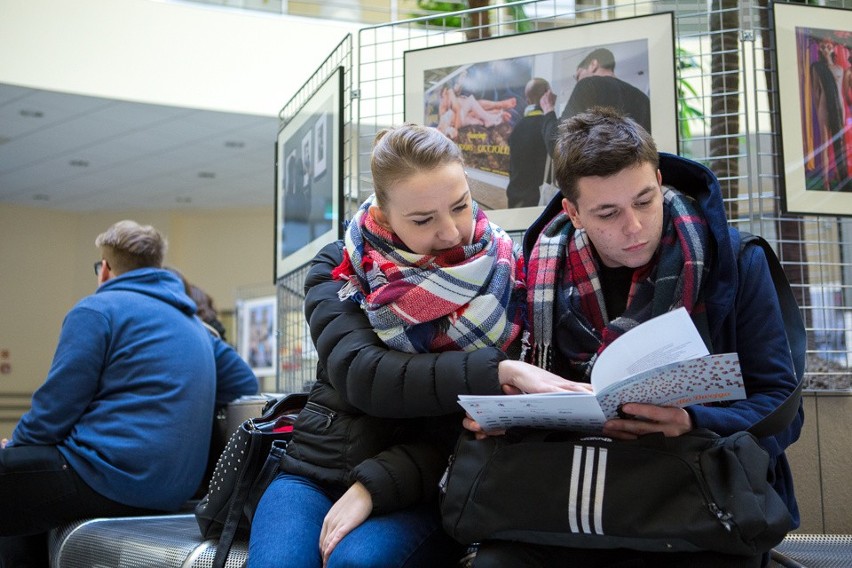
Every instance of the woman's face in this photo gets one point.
(430, 211)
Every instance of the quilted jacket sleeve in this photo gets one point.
(379, 381)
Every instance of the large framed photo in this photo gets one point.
(814, 49)
(256, 342)
(475, 93)
(308, 181)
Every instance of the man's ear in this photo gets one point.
(571, 210)
(105, 273)
(379, 216)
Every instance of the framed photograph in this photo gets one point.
(256, 342)
(814, 54)
(308, 181)
(475, 93)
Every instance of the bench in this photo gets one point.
(163, 541)
(174, 541)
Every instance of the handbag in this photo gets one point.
(245, 468)
(547, 190)
(697, 491)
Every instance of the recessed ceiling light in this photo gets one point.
(234, 144)
(206, 175)
(31, 113)
(79, 163)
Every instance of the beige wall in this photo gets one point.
(46, 267)
(822, 461)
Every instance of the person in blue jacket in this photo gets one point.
(637, 233)
(122, 424)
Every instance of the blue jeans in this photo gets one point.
(285, 532)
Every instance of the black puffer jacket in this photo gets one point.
(382, 417)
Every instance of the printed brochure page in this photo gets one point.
(663, 361)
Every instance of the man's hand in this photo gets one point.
(647, 419)
(517, 377)
(352, 509)
(472, 425)
(547, 102)
(3, 443)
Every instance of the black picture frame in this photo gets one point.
(308, 179)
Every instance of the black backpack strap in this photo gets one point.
(783, 415)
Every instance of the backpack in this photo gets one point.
(796, 338)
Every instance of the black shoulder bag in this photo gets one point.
(244, 470)
(698, 491)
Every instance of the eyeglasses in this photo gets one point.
(98, 267)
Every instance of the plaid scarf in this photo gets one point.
(563, 280)
(460, 300)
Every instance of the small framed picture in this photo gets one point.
(257, 339)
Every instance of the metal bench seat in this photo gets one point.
(167, 541)
(814, 551)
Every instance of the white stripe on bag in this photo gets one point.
(583, 503)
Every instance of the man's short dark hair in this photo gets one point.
(599, 142)
(604, 57)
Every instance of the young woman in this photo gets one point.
(359, 483)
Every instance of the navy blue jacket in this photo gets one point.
(743, 314)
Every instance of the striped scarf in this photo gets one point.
(465, 298)
(563, 279)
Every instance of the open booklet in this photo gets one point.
(662, 361)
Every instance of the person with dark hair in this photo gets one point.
(597, 86)
(122, 424)
(527, 150)
(633, 235)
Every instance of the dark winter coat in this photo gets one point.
(384, 418)
(743, 314)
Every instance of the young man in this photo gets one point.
(122, 424)
(636, 234)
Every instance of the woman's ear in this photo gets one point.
(379, 216)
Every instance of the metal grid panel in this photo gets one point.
(296, 355)
(725, 56)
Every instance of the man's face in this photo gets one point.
(622, 214)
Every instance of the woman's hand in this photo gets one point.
(518, 377)
(647, 419)
(352, 509)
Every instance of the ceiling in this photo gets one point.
(78, 153)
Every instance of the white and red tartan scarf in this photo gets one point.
(564, 284)
(465, 298)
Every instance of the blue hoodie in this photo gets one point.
(130, 396)
(743, 315)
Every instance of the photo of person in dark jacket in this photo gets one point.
(634, 234)
(418, 306)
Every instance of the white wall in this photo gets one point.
(163, 52)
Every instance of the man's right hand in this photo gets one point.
(547, 102)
